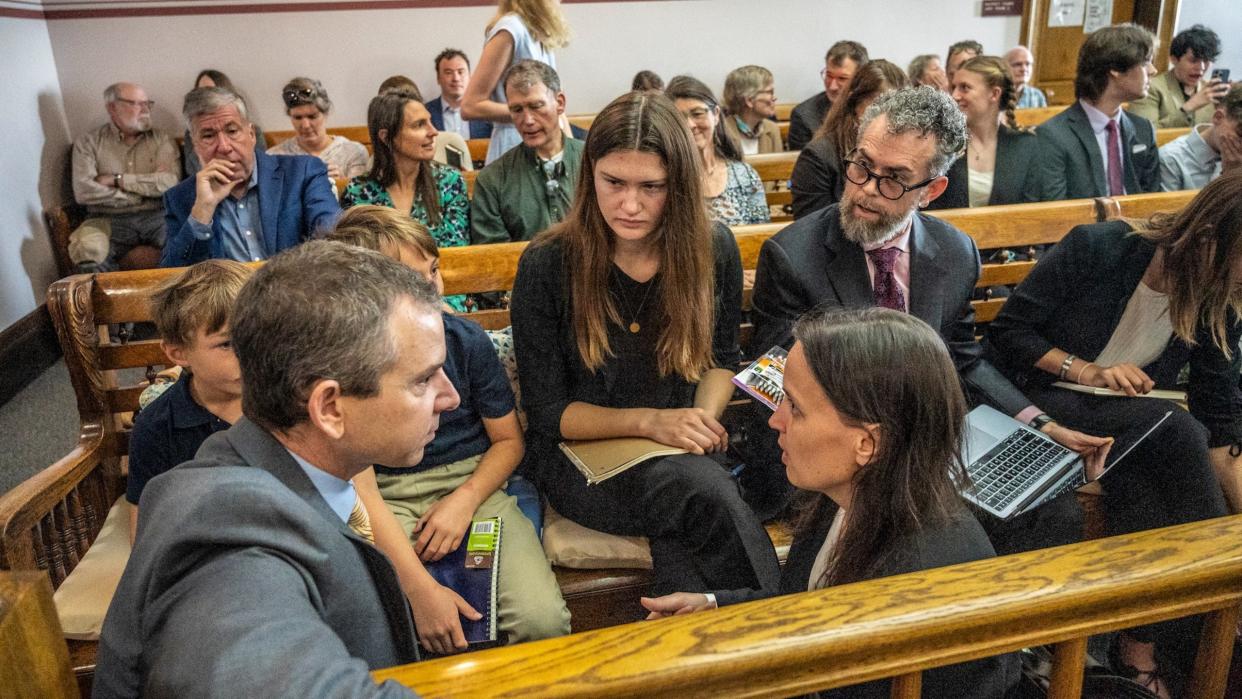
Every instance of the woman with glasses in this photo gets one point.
(998, 157)
(732, 189)
(750, 98)
(404, 175)
(520, 29)
(308, 105)
(625, 324)
(209, 77)
(817, 176)
(870, 431)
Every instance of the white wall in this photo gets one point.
(1223, 17)
(352, 51)
(34, 147)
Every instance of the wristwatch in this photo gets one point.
(1040, 420)
(116, 180)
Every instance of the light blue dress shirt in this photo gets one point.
(340, 495)
(241, 224)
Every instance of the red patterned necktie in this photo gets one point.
(1116, 181)
(884, 287)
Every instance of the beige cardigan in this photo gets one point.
(1163, 104)
(769, 134)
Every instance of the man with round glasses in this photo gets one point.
(874, 248)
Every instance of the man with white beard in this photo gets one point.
(120, 173)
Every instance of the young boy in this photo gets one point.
(474, 452)
(191, 313)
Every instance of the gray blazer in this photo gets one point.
(1015, 153)
(245, 583)
(811, 263)
(1069, 165)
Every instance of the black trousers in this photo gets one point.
(703, 536)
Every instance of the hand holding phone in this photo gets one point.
(1221, 74)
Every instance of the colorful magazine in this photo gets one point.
(765, 377)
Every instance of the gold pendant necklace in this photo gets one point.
(634, 326)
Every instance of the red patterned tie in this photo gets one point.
(884, 286)
(1116, 180)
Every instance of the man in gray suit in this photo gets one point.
(873, 248)
(1093, 148)
(247, 579)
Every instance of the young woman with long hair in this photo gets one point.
(817, 179)
(519, 30)
(1124, 307)
(625, 323)
(870, 428)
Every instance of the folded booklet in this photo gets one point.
(1179, 396)
(765, 377)
(601, 459)
(472, 571)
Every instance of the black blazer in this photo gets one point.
(817, 180)
(805, 119)
(958, 541)
(1069, 165)
(1015, 153)
(811, 262)
(1074, 299)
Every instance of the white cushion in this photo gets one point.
(82, 599)
(572, 545)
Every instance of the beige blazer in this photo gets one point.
(1163, 104)
(769, 134)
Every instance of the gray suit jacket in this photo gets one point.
(245, 583)
(1069, 165)
(811, 263)
(1015, 153)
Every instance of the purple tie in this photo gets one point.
(884, 286)
(1116, 182)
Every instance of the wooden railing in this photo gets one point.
(891, 627)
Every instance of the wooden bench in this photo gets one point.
(775, 169)
(360, 134)
(1034, 116)
(1163, 136)
(34, 661)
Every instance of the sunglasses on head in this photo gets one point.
(302, 95)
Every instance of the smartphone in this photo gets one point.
(1221, 74)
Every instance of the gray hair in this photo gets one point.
(928, 111)
(112, 93)
(205, 100)
(527, 72)
(319, 96)
(314, 312)
(742, 84)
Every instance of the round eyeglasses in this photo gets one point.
(889, 187)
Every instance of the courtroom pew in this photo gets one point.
(34, 661)
(1163, 136)
(1034, 116)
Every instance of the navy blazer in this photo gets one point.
(1074, 300)
(811, 262)
(244, 582)
(295, 203)
(1069, 164)
(479, 128)
(1015, 156)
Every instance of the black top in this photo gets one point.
(168, 432)
(805, 119)
(1011, 178)
(1074, 299)
(550, 369)
(958, 540)
(817, 179)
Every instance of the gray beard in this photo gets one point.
(866, 233)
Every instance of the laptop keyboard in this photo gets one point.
(1009, 468)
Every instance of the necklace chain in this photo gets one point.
(634, 326)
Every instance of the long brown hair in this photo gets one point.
(889, 369)
(840, 126)
(995, 73)
(542, 17)
(387, 113)
(683, 239)
(1202, 245)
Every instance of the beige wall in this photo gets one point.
(1223, 17)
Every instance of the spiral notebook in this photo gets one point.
(472, 571)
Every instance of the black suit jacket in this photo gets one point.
(811, 263)
(1069, 164)
(959, 540)
(1015, 156)
(817, 180)
(805, 119)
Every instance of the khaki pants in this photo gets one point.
(103, 240)
(529, 601)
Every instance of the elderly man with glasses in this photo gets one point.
(243, 204)
(120, 171)
(875, 248)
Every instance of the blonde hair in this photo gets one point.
(382, 228)
(995, 73)
(201, 297)
(542, 17)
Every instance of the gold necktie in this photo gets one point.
(360, 521)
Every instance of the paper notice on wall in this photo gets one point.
(1099, 15)
(1065, 13)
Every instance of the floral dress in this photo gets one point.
(742, 202)
(454, 227)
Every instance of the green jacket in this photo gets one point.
(512, 200)
(1163, 104)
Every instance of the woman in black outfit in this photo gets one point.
(871, 423)
(1125, 309)
(625, 320)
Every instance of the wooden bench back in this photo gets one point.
(359, 134)
(1142, 206)
(1163, 136)
(34, 661)
(1034, 116)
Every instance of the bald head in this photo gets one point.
(1021, 64)
(128, 108)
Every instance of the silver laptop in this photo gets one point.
(1015, 468)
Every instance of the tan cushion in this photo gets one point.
(83, 598)
(572, 545)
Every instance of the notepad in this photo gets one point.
(601, 459)
(472, 570)
(1179, 396)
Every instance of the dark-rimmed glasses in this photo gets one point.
(889, 187)
(137, 103)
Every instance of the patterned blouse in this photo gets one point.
(742, 202)
(454, 227)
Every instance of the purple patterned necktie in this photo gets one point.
(1116, 183)
(884, 286)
